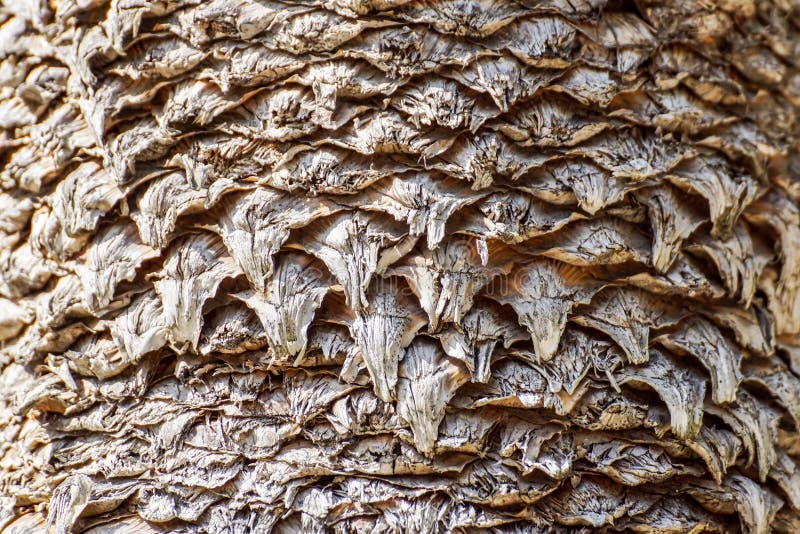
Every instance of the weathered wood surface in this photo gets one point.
(399, 266)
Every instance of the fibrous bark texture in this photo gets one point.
(399, 266)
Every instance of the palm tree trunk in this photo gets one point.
(399, 266)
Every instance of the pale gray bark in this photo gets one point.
(399, 266)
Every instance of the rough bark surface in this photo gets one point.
(399, 266)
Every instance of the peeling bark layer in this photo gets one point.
(399, 266)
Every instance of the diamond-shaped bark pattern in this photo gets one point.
(399, 266)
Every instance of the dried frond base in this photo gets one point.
(399, 266)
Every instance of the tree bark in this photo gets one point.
(399, 266)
